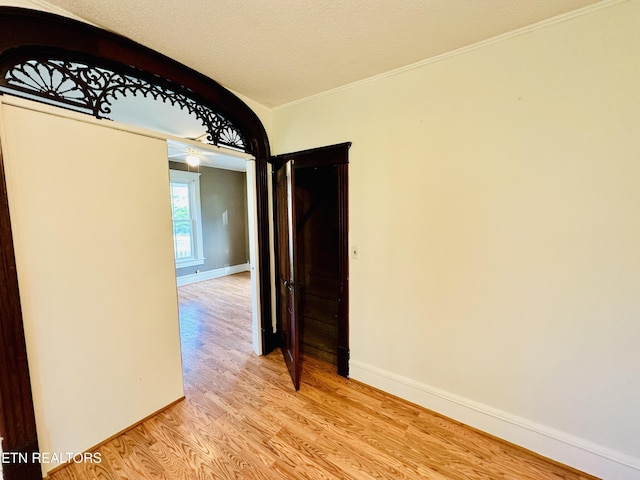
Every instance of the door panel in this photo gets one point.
(294, 171)
(287, 290)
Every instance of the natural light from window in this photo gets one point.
(187, 222)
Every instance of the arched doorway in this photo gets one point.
(87, 66)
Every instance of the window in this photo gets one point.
(187, 221)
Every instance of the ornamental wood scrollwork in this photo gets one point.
(93, 89)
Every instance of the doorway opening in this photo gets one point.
(34, 42)
(227, 210)
(318, 261)
(311, 213)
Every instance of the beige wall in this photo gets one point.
(265, 114)
(37, 5)
(495, 202)
(88, 203)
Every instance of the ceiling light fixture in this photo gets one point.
(192, 158)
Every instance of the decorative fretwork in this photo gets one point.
(90, 89)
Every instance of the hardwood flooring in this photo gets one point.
(241, 419)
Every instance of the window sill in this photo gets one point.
(190, 263)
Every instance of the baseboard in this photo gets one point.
(561, 447)
(211, 274)
(121, 432)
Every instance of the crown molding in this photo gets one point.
(459, 51)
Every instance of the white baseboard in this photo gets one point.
(548, 442)
(210, 274)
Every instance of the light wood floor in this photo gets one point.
(241, 419)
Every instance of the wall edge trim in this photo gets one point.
(459, 51)
(211, 274)
(554, 444)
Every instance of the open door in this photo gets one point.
(311, 216)
(286, 270)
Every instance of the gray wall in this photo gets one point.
(225, 244)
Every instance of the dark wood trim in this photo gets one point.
(17, 418)
(331, 155)
(315, 157)
(343, 269)
(25, 32)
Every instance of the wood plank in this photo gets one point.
(242, 419)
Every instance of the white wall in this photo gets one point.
(495, 202)
(91, 220)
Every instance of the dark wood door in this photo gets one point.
(323, 170)
(287, 288)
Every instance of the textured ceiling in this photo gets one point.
(278, 51)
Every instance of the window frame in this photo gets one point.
(192, 180)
